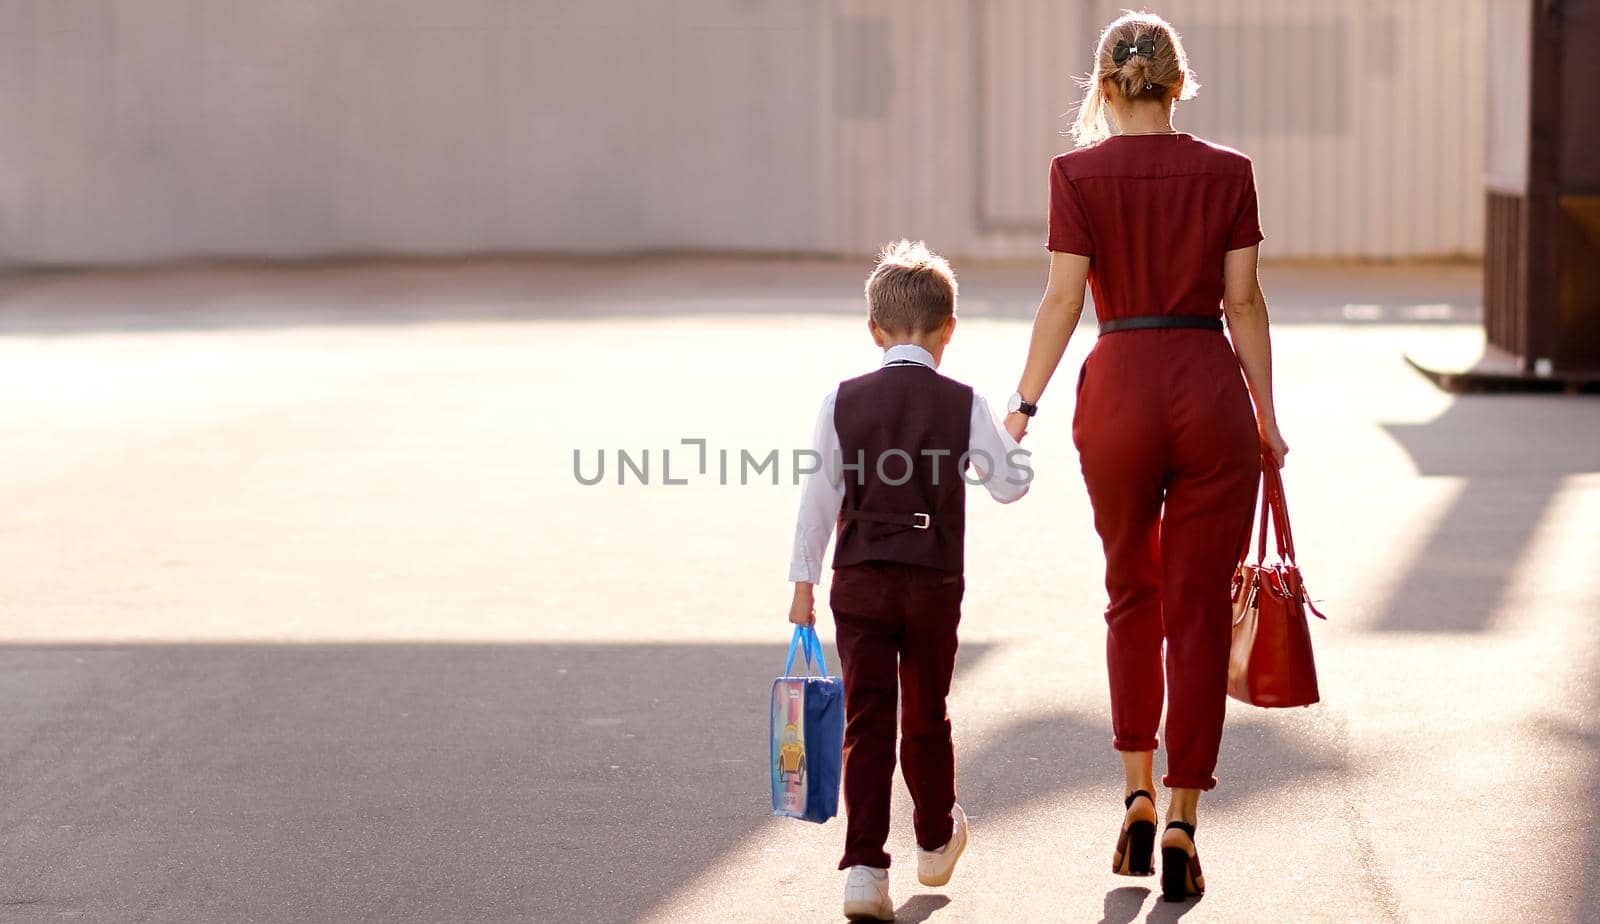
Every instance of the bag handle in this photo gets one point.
(806, 641)
(1273, 503)
(1263, 505)
(1280, 513)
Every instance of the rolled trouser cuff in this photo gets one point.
(1178, 781)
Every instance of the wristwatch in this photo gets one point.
(1018, 406)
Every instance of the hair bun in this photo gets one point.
(1137, 77)
(1139, 56)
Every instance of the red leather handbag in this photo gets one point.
(1270, 663)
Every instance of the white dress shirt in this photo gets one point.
(823, 493)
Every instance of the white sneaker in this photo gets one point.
(934, 867)
(866, 895)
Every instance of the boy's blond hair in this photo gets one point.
(912, 290)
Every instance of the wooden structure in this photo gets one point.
(1541, 295)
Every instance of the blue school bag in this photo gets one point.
(807, 731)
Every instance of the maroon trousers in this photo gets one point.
(896, 635)
(1167, 437)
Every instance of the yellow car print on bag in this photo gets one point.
(791, 754)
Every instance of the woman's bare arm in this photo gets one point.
(1053, 325)
(1246, 307)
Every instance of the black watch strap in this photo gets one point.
(1027, 409)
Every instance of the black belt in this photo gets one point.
(1159, 321)
(913, 520)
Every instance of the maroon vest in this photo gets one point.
(886, 419)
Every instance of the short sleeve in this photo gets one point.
(1247, 220)
(1069, 223)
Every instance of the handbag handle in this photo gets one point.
(1280, 514)
(1273, 502)
(1272, 487)
(805, 639)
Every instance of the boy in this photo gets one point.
(894, 447)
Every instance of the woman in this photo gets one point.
(1163, 227)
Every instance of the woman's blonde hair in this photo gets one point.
(1163, 71)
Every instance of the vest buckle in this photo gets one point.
(921, 521)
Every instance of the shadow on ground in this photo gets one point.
(919, 908)
(377, 782)
(1065, 755)
(435, 782)
(1125, 903)
(1046, 756)
(1513, 452)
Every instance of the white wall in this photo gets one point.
(1366, 120)
(138, 129)
(149, 129)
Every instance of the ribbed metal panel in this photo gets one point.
(904, 170)
(1027, 52)
(270, 129)
(1366, 120)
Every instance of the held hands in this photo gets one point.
(1017, 425)
(1272, 443)
(802, 609)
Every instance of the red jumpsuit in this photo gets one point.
(1164, 426)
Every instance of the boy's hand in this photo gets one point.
(1017, 425)
(802, 609)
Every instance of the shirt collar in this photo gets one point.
(908, 352)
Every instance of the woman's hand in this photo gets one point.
(1017, 425)
(1272, 443)
(802, 609)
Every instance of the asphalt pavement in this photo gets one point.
(309, 615)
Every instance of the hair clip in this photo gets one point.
(1144, 46)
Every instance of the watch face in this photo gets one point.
(1014, 404)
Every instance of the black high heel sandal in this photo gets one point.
(1136, 844)
(1180, 870)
